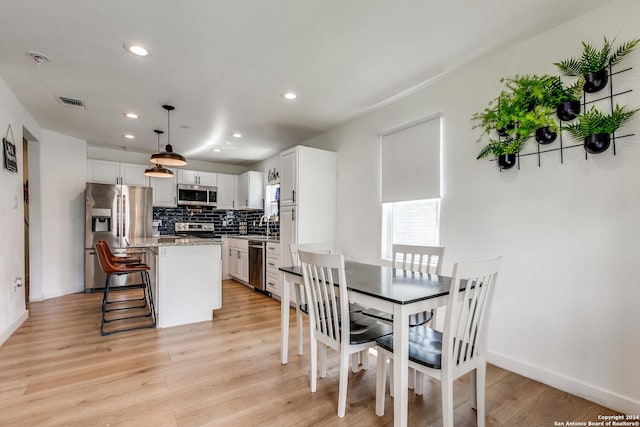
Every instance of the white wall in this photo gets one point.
(12, 306)
(566, 308)
(64, 173)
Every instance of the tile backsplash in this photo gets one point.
(225, 221)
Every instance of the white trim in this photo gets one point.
(14, 326)
(576, 387)
(63, 292)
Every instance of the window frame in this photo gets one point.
(387, 229)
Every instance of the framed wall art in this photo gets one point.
(10, 159)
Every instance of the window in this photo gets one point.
(411, 223)
(410, 187)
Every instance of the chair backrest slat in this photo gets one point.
(322, 248)
(326, 307)
(418, 259)
(464, 336)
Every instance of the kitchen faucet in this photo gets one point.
(262, 218)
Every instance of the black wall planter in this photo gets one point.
(597, 143)
(506, 161)
(545, 135)
(568, 111)
(505, 131)
(595, 81)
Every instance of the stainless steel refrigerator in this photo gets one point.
(114, 213)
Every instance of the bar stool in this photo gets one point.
(110, 266)
(119, 259)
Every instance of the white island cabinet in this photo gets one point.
(189, 284)
(187, 277)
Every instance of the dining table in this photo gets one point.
(383, 288)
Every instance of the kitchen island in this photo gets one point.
(186, 275)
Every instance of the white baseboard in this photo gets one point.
(13, 327)
(62, 292)
(606, 398)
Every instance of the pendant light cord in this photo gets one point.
(168, 126)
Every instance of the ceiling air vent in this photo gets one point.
(70, 102)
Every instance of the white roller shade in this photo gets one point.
(410, 161)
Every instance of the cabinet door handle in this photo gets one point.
(294, 195)
(233, 204)
(293, 214)
(229, 251)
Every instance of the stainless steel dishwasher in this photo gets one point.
(257, 265)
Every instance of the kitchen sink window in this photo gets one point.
(410, 223)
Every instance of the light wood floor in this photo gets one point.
(57, 370)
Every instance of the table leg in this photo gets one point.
(284, 319)
(400, 364)
(298, 293)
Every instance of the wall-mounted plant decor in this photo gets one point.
(522, 110)
(526, 107)
(595, 128)
(566, 100)
(594, 64)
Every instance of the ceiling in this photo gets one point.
(223, 64)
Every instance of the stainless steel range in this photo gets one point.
(204, 230)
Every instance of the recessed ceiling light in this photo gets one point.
(217, 150)
(236, 135)
(129, 136)
(131, 115)
(289, 95)
(136, 49)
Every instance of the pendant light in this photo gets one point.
(168, 157)
(158, 171)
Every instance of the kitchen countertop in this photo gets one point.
(149, 242)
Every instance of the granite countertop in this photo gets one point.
(149, 242)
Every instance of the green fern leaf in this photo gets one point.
(622, 51)
(569, 67)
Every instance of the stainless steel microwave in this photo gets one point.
(197, 195)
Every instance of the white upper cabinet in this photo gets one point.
(227, 191)
(288, 177)
(190, 177)
(307, 198)
(165, 191)
(107, 172)
(251, 190)
(134, 175)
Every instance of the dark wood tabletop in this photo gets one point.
(390, 284)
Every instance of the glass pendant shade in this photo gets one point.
(168, 157)
(158, 171)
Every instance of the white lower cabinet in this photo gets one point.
(273, 272)
(239, 259)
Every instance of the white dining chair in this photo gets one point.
(332, 325)
(462, 346)
(412, 259)
(301, 303)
